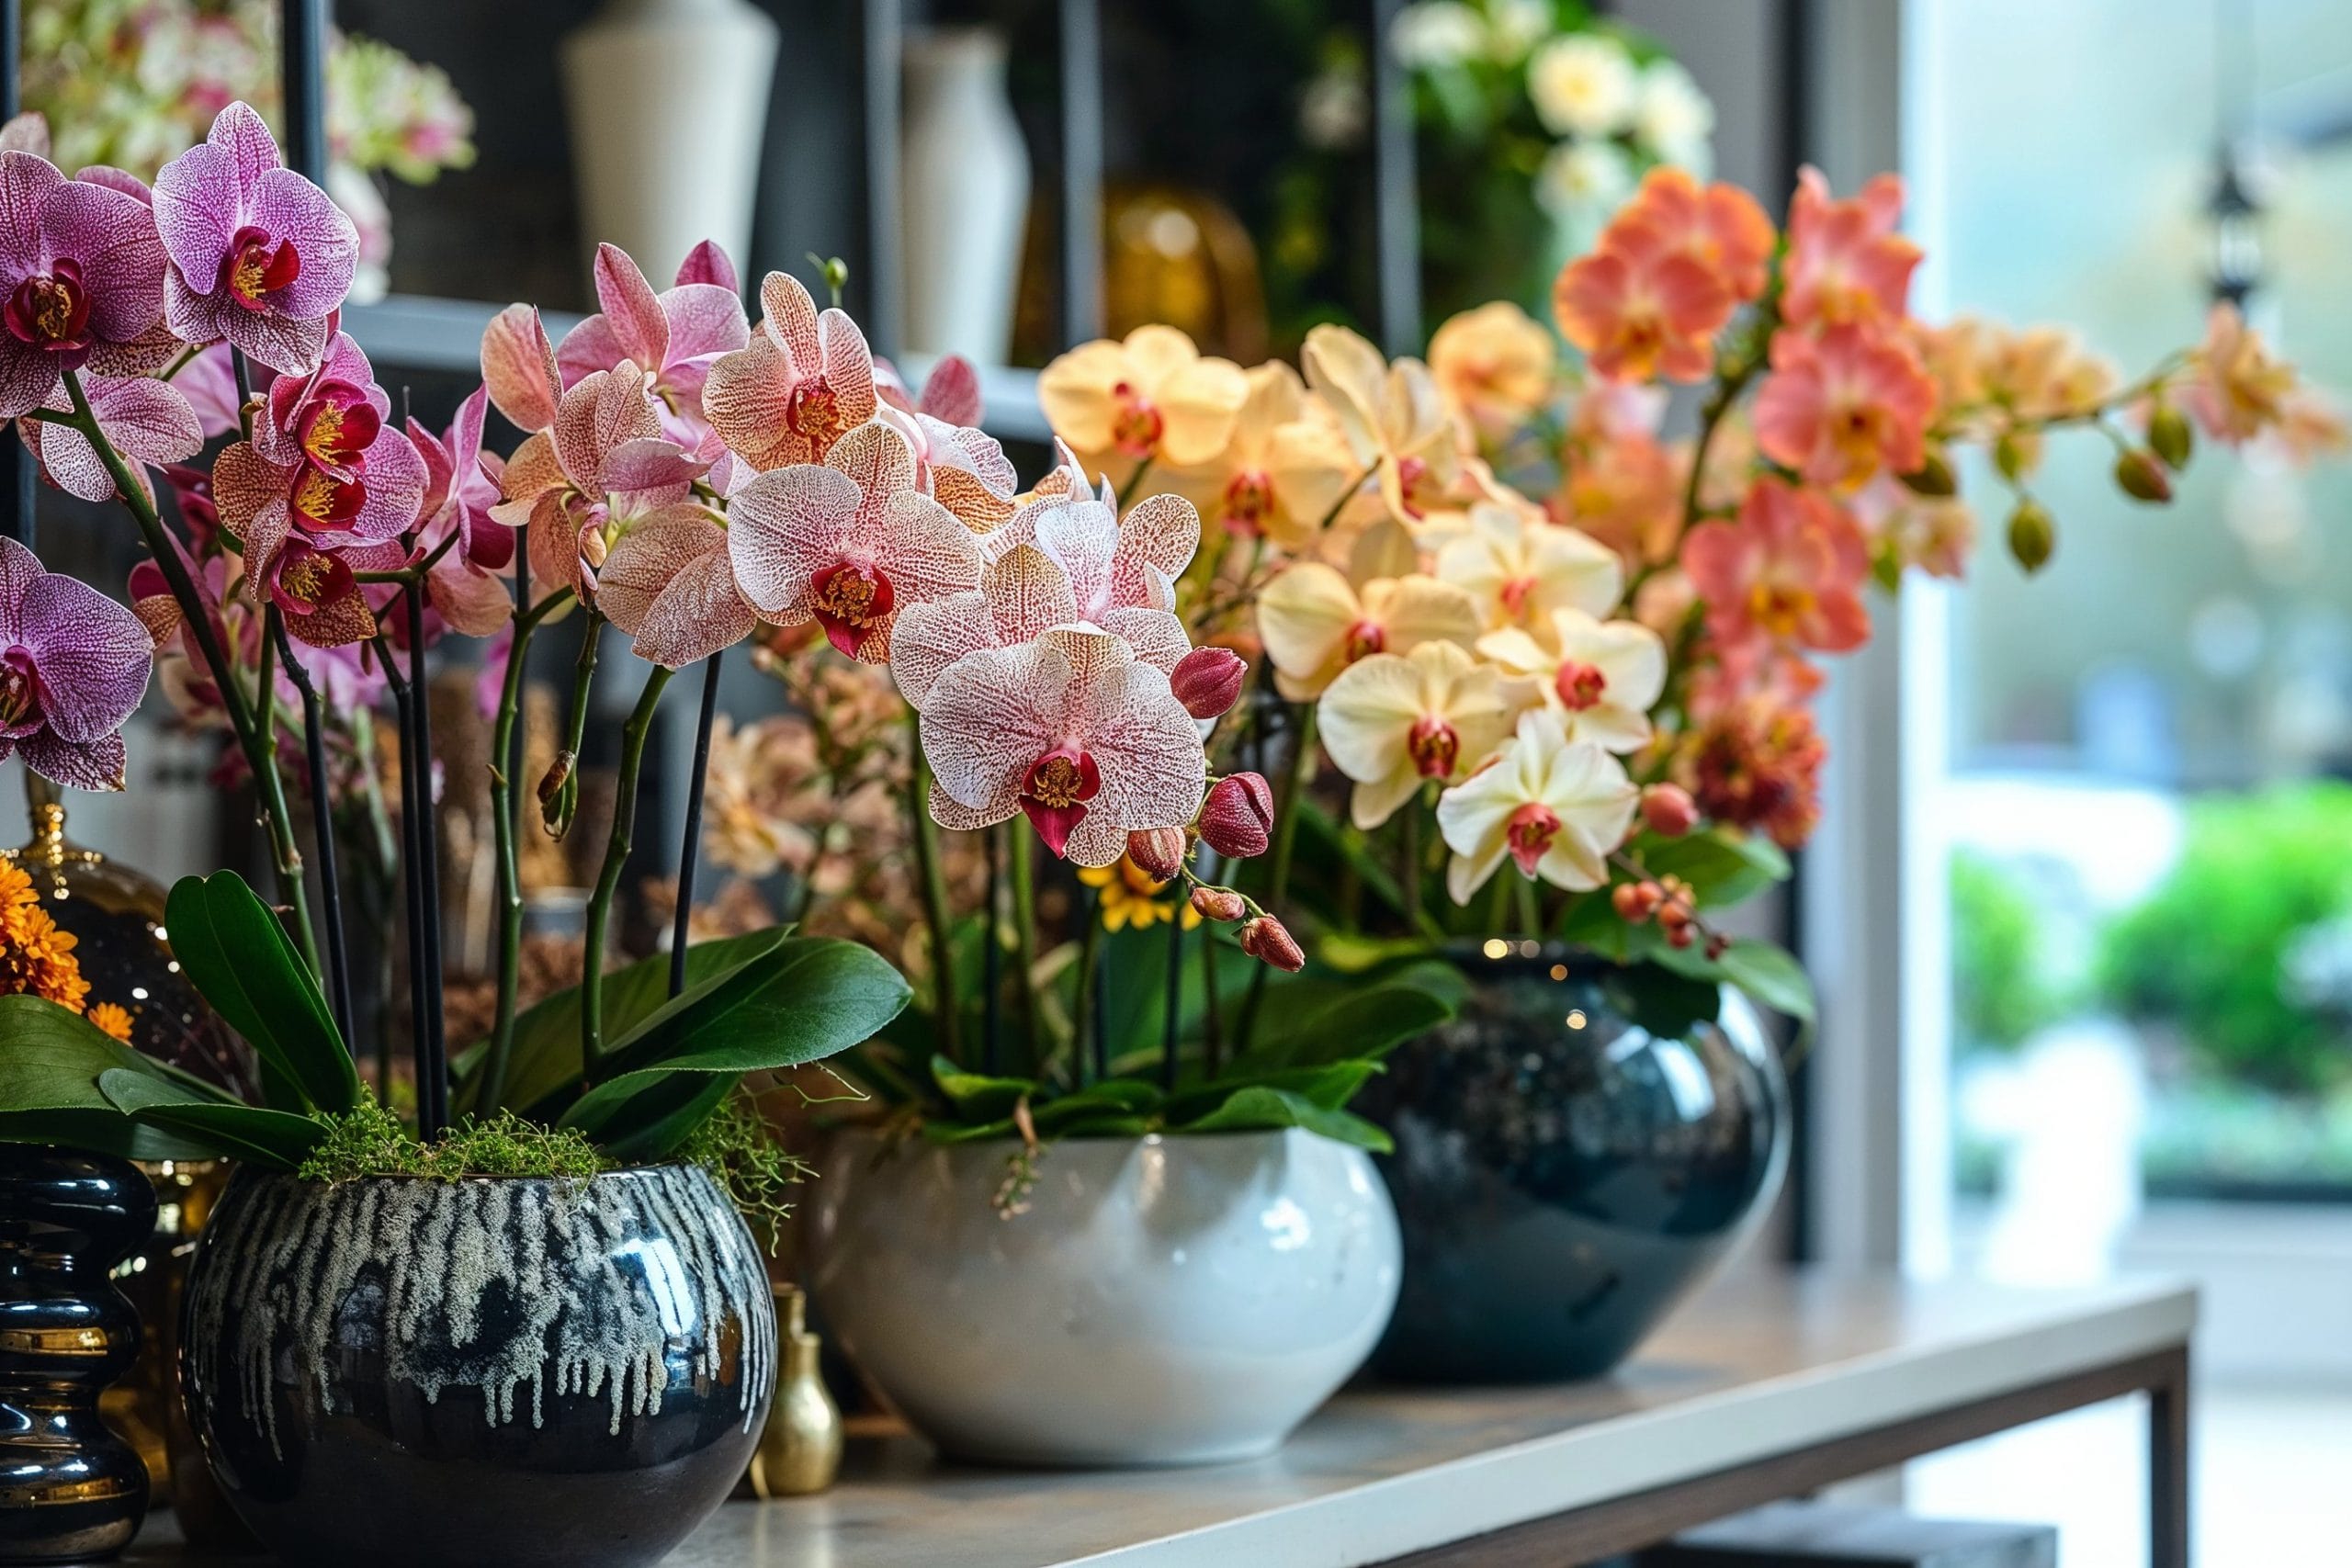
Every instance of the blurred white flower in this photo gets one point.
(1332, 112)
(1672, 117)
(1515, 27)
(1584, 179)
(1436, 34)
(1583, 85)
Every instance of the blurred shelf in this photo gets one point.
(415, 331)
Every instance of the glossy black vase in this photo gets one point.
(497, 1373)
(71, 1491)
(1574, 1152)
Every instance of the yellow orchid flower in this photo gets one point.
(1315, 623)
(1602, 677)
(1393, 420)
(1149, 398)
(1520, 569)
(1554, 805)
(1392, 720)
(1283, 471)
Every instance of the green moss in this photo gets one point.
(739, 1148)
(371, 1141)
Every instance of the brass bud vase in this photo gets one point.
(800, 1448)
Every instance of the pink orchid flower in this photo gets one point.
(465, 585)
(144, 420)
(670, 584)
(326, 485)
(804, 381)
(1788, 570)
(850, 543)
(81, 273)
(74, 665)
(259, 255)
(674, 336)
(1844, 406)
(600, 466)
(1071, 730)
(1845, 263)
(963, 468)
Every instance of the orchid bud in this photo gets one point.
(2140, 476)
(1669, 810)
(1208, 681)
(1933, 477)
(1265, 937)
(1238, 818)
(2032, 534)
(1218, 903)
(2169, 435)
(1158, 852)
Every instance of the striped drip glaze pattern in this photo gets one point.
(607, 1287)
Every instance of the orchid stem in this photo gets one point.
(1174, 1002)
(560, 792)
(260, 760)
(434, 1087)
(411, 890)
(933, 875)
(506, 822)
(992, 955)
(1024, 942)
(608, 880)
(692, 844)
(1135, 483)
(1302, 770)
(314, 751)
(1083, 1031)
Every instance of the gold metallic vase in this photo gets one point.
(800, 1451)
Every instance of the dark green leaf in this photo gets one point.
(275, 1138)
(1309, 1021)
(1771, 977)
(1112, 1097)
(650, 1124)
(50, 1066)
(976, 1097)
(1332, 1086)
(545, 1062)
(1105, 1126)
(1723, 865)
(1260, 1108)
(236, 954)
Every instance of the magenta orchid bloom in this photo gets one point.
(804, 381)
(259, 255)
(145, 420)
(599, 467)
(81, 273)
(465, 584)
(74, 665)
(1072, 731)
(674, 336)
(849, 542)
(326, 487)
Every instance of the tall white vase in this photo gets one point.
(668, 104)
(965, 184)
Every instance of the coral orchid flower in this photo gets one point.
(1844, 406)
(1719, 226)
(1789, 570)
(1641, 309)
(1845, 263)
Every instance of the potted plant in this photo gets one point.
(530, 1326)
(1541, 682)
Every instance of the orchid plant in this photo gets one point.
(320, 558)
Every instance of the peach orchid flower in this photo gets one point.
(1151, 398)
(1282, 472)
(1520, 569)
(1602, 677)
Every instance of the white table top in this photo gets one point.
(1755, 1366)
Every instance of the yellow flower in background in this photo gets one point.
(1391, 721)
(1151, 398)
(112, 1019)
(1131, 897)
(1520, 569)
(35, 957)
(1393, 420)
(1283, 471)
(1315, 623)
(1493, 365)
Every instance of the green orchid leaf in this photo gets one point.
(1105, 1125)
(1723, 865)
(1111, 1098)
(279, 1139)
(1314, 1022)
(976, 1096)
(233, 951)
(652, 1122)
(50, 1068)
(543, 1065)
(1260, 1108)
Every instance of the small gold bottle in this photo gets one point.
(800, 1451)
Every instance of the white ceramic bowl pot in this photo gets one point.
(1161, 1300)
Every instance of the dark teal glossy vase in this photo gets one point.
(1577, 1150)
(70, 1490)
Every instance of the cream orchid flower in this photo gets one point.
(1283, 471)
(1393, 420)
(1493, 363)
(1315, 623)
(1602, 677)
(1152, 398)
(1556, 806)
(1520, 569)
(1392, 720)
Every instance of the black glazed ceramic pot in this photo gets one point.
(70, 1490)
(497, 1373)
(1575, 1151)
